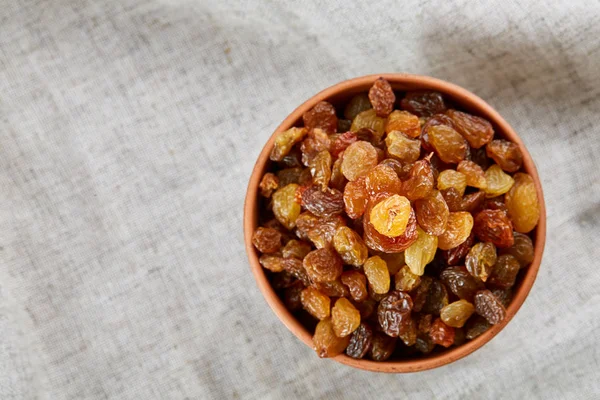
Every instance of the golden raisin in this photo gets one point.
(268, 184)
(355, 198)
(323, 265)
(474, 174)
(390, 216)
(284, 142)
(405, 280)
(432, 213)
(316, 303)
(481, 260)
(404, 122)
(457, 230)
(498, 182)
(344, 317)
(421, 252)
(394, 261)
(285, 206)
(382, 97)
(494, 226)
(317, 141)
(523, 204)
(476, 130)
(325, 342)
(369, 119)
(457, 313)
(382, 178)
(266, 240)
(376, 241)
(350, 246)
(296, 248)
(358, 159)
(506, 154)
(452, 179)
(332, 288)
(419, 183)
(402, 148)
(338, 180)
(320, 169)
(377, 274)
(273, 263)
(448, 144)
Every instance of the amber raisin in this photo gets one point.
(356, 105)
(402, 148)
(408, 332)
(476, 130)
(285, 206)
(292, 296)
(457, 230)
(394, 261)
(506, 154)
(294, 267)
(423, 103)
(455, 255)
(285, 141)
(266, 240)
(472, 201)
(394, 312)
(378, 242)
(421, 252)
(522, 249)
(268, 184)
(498, 182)
(424, 323)
(459, 336)
(325, 342)
(355, 198)
(318, 140)
(452, 179)
(419, 294)
(316, 303)
(342, 142)
(377, 274)
(461, 283)
(404, 122)
(332, 288)
(320, 231)
(390, 216)
(320, 169)
(481, 260)
(273, 263)
(323, 265)
(437, 298)
(382, 97)
(504, 295)
(476, 326)
(382, 347)
(361, 341)
(453, 199)
(474, 174)
(357, 285)
(488, 306)
(296, 248)
(457, 313)
(405, 280)
(292, 159)
(523, 204)
(448, 144)
(424, 344)
(323, 203)
(505, 272)
(368, 119)
(494, 226)
(441, 333)
(350, 246)
(367, 308)
(382, 178)
(338, 180)
(432, 213)
(419, 183)
(344, 317)
(358, 159)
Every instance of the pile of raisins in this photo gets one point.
(395, 226)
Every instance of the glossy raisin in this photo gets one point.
(355, 198)
(504, 295)
(472, 201)
(283, 280)
(316, 303)
(295, 267)
(367, 308)
(498, 182)
(390, 216)
(338, 180)
(377, 274)
(322, 116)
(455, 255)
(421, 252)
(285, 206)
(453, 199)
(506, 154)
(323, 265)
(394, 261)
(268, 184)
(432, 213)
(457, 313)
(405, 280)
(452, 179)
(476, 130)
(323, 203)
(448, 144)
(437, 298)
(273, 263)
(461, 283)
(458, 229)
(361, 341)
(368, 119)
(476, 326)
(285, 141)
(344, 317)
(419, 183)
(423, 103)
(356, 282)
(393, 312)
(378, 242)
(495, 203)
(488, 306)
(350, 246)
(424, 343)
(474, 174)
(289, 175)
(402, 148)
(408, 332)
(481, 260)
(325, 342)
(358, 159)
(441, 334)
(382, 97)
(404, 122)
(332, 288)
(356, 105)
(296, 248)
(382, 347)
(523, 204)
(266, 240)
(342, 142)
(495, 227)
(317, 141)
(419, 294)
(522, 249)
(320, 169)
(382, 178)
(505, 272)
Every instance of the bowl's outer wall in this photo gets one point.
(401, 82)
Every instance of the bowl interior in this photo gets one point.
(338, 95)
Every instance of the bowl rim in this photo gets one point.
(399, 81)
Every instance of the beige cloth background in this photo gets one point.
(128, 130)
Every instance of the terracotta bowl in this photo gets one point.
(338, 94)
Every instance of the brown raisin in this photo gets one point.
(506, 154)
(284, 280)
(394, 312)
(361, 341)
(285, 206)
(437, 298)
(296, 248)
(394, 261)
(292, 296)
(325, 342)
(266, 240)
(461, 283)
(457, 313)
(268, 184)
(317, 141)
(316, 303)
(523, 204)
(292, 159)
(356, 105)
(382, 97)
(321, 116)
(323, 203)
(342, 142)
(332, 288)
(453, 199)
(488, 306)
(402, 148)
(419, 183)
(344, 317)
(289, 175)
(504, 295)
(476, 326)
(358, 159)
(522, 249)
(408, 333)
(273, 263)
(284, 142)
(294, 267)
(419, 294)
(448, 144)
(338, 180)
(481, 260)
(377, 274)
(424, 323)
(432, 213)
(367, 308)
(404, 122)
(323, 265)
(382, 347)
(382, 178)
(476, 130)
(423, 103)
(494, 226)
(357, 285)
(320, 231)
(441, 333)
(424, 344)
(495, 203)
(472, 201)
(455, 255)
(457, 231)
(405, 280)
(505, 272)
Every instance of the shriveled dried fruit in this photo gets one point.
(522, 249)
(382, 178)
(432, 213)
(476, 130)
(268, 184)
(495, 203)
(355, 198)
(420, 293)
(322, 116)
(357, 285)
(455, 255)
(452, 179)
(344, 317)
(356, 105)
(369, 119)
(441, 333)
(320, 169)
(323, 203)
(476, 326)
(377, 274)
(505, 272)
(361, 341)
(325, 342)
(419, 183)
(494, 226)
(437, 298)
(405, 280)
(472, 201)
(457, 313)
(402, 148)
(474, 174)
(498, 182)
(453, 199)
(408, 333)
(448, 144)
(332, 288)
(383, 346)
(488, 306)
(461, 283)
(458, 229)
(342, 142)
(338, 180)
(323, 265)
(394, 261)
(316, 303)
(506, 154)
(285, 141)
(421, 252)
(481, 260)
(318, 140)
(382, 97)
(394, 312)
(292, 160)
(292, 296)
(358, 159)
(523, 204)
(296, 248)
(504, 295)
(390, 216)
(423, 103)
(350, 246)
(266, 240)
(273, 263)
(424, 323)
(294, 267)
(404, 122)
(285, 206)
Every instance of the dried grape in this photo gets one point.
(383, 346)
(357, 285)
(523, 204)
(358, 159)
(316, 303)
(522, 249)
(405, 280)
(481, 260)
(452, 179)
(320, 169)
(267, 240)
(448, 144)
(321, 116)
(382, 178)
(285, 206)
(441, 333)
(495, 227)
(350, 246)
(369, 119)
(419, 183)
(488, 306)
(498, 182)
(296, 248)
(377, 274)
(356, 105)
(382, 97)
(323, 203)
(474, 174)
(323, 265)
(404, 122)
(476, 130)
(361, 341)
(461, 282)
(344, 317)
(402, 148)
(457, 230)
(325, 342)
(421, 252)
(432, 213)
(505, 272)
(273, 263)
(457, 313)
(390, 216)
(506, 154)
(268, 184)
(394, 312)
(284, 142)
(423, 103)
